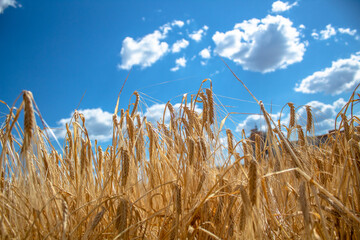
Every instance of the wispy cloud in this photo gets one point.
(7, 3)
(262, 45)
(347, 31)
(328, 32)
(315, 35)
(180, 62)
(197, 35)
(342, 76)
(331, 31)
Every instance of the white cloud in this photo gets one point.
(328, 32)
(180, 62)
(315, 35)
(197, 35)
(347, 31)
(343, 75)
(177, 23)
(338, 104)
(262, 45)
(178, 45)
(97, 122)
(323, 114)
(205, 53)
(214, 73)
(280, 6)
(302, 26)
(144, 51)
(147, 50)
(165, 29)
(224, 143)
(156, 112)
(7, 3)
(253, 121)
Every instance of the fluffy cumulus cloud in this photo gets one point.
(262, 45)
(97, 122)
(343, 75)
(180, 62)
(205, 53)
(144, 51)
(7, 3)
(178, 45)
(279, 6)
(147, 50)
(254, 121)
(197, 35)
(323, 114)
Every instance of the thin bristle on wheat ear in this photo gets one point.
(29, 120)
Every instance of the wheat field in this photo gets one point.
(164, 181)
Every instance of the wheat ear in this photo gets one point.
(29, 120)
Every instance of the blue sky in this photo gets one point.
(305, 52)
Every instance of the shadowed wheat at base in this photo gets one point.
(177, 180)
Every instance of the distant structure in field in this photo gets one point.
(313, 140)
